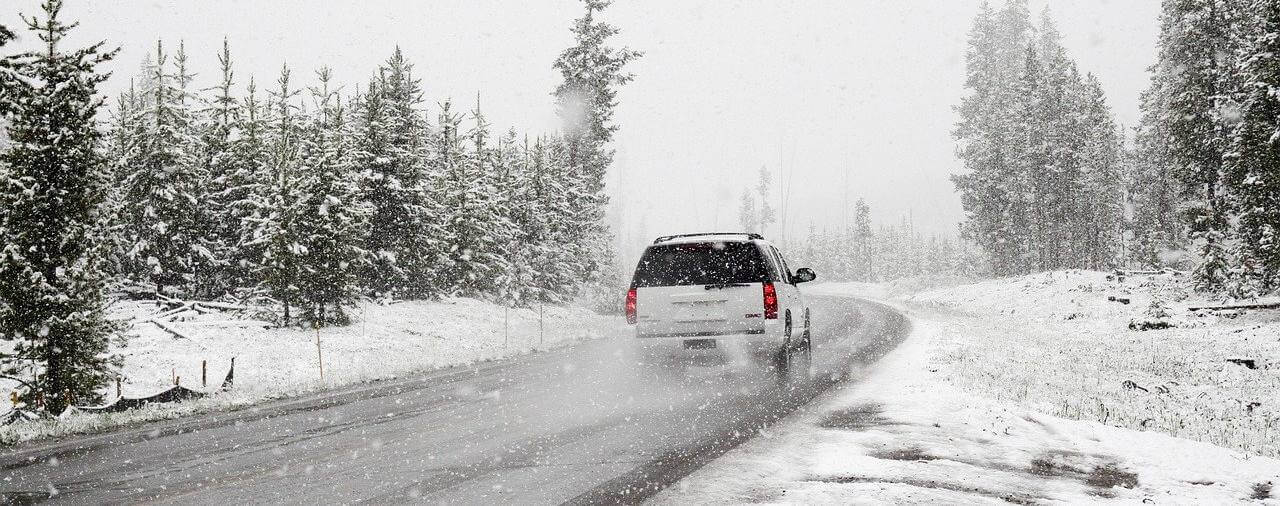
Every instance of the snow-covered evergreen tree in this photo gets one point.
(540, 268)
(124, 133)
(404, 236)
(505, 179)
(163, 185)
(227, 171)
(1041, 186)
(275, 221)
(863, 267)
(1253, 167)
(748, 218)
(764, 187)
(996, 52)
(54, 185)
(242, 189)
(591, 72)
(1153, 191)
(1023, 184)
(8, 77)
(1099, 209)
(329, 214)
(557, 269)
(1191, 67)
(474, 224)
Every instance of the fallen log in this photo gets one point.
(1229, 307)
(1248, 363)
(223, 306)
(172, 330)
(167, 314)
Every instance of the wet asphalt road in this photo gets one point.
(586, 424)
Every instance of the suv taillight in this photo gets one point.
(770, 302)
(631, 305)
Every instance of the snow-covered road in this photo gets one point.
(582, 424)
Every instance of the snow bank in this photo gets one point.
(384, 341)
(907, 434)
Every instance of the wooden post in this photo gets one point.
(506, 316)
(319, 357)
(204, 371)
(173, 375)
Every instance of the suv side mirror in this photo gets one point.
(804, 275)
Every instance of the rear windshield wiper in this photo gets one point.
(719, 286)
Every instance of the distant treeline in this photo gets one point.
(863, 252)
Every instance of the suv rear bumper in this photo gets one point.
(768, 339)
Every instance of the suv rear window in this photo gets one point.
(701, 263)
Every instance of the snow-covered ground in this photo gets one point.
(1028, 390)
(383, 342)
(1056, 343)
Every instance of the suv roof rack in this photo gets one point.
(749, 235)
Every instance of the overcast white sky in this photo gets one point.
(855, 97)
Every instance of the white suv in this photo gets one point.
(729, 290)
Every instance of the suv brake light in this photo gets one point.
(770, 302)
(631, 306)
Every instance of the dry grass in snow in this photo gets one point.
(1058, 343)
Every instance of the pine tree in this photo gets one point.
(541, 268)
(1099, 215)
(122, 143)
(558, 267)
(52, 279)
(241, 189)
(1153, 191)
(1023, 184)
(276, 227)
(9, 78)
(462, 201)
(403, 237)
(991, 190)
(227, 171)
(1057, 180)
(1193, 40)
(591, 73)
(162, 202)
(329, 215)
(475, 222)
(1253, 168)
(506, 199)
(1041, 190)
(863, 266)
(763, 187)
(204, 263)
(748, 218)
